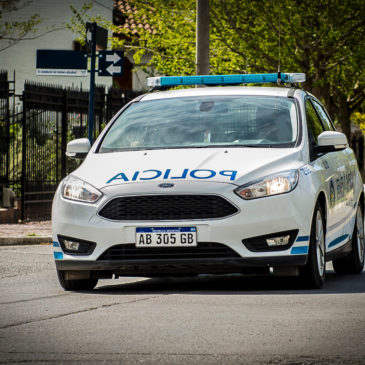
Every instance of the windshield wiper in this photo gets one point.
(109, 150)
(255, 145)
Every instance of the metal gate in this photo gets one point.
(4, 128)
(52, 116)
(10, 137)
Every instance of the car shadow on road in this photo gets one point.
(234, 285)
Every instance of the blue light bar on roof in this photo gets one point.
(225, 79)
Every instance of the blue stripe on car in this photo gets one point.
(338, 240)
(303, 238)
(299, 250)
(58, 255)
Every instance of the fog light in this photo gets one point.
(71, 245)
(278, 241)
(76, 246)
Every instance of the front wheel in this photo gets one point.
(354, 263)
(76, 284)
(314, 272)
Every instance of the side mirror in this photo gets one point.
(78, 148)
(331, 141)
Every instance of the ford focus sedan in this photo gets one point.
(212, 180)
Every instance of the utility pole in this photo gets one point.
(202, 37)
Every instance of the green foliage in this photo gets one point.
(15, 153)
(14, 31)
(166, 30)
(359, 119)
(324, 39)
(77, 22)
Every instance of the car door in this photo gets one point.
(332, 169)
(344, 192)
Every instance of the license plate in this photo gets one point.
(166, 237)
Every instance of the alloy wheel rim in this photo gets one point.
(360, 234)
(320, 244)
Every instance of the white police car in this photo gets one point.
(211, 180)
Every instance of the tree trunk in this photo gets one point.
(344, 116)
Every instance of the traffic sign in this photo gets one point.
(51, 62)
(101, 36)
(111, 63)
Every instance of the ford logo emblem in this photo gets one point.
(166, 185)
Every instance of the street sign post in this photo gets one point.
(51, 62)
(91, 29)
(95, 36)
(111, 63)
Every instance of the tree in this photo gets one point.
(15, 31)
(322, 38)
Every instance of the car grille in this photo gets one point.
(167, 207)
(202, 251)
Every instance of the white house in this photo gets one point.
(52, 34)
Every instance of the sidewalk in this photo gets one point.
(30, 233)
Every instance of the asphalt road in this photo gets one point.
(204, 320)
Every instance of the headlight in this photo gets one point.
(76, 189)
(272, 185)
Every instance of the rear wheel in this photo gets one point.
(354, 263)
(314, 272)
(76, 284)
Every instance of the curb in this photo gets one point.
(18, 241)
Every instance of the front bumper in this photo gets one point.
(180, 266)
(292, 211)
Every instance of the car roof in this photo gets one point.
(219, 91)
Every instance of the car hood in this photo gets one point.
(223, 165)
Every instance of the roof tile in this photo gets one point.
(124, 17)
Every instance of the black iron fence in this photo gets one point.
(51, 117)
(4, 127)
(34, 132)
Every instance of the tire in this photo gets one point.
(354, 263)
(313, 274)
(81, 284)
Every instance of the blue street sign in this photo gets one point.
(62, 63)
(111, 63)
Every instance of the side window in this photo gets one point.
(326, 121)
(315, 127)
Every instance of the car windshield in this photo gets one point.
(214, 121)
